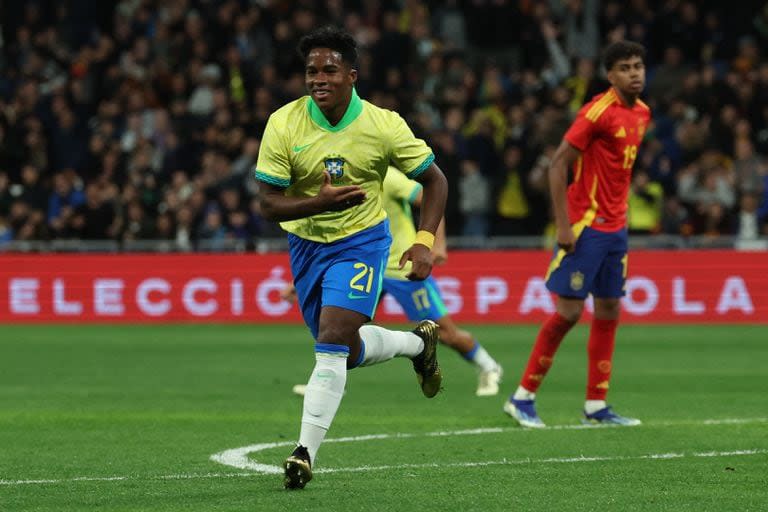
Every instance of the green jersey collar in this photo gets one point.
(354, 109)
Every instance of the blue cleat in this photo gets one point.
(606, 416)
(524, 412)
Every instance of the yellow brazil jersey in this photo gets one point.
(299, 144)
(399, 194)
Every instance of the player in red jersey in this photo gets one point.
(590, 215)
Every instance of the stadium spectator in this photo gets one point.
(749, 168)
(184, 228)
(212, 231)
(512, 210)
(675, 218)
(748, 227)
(25, 223)
(137, 225)
(474, 199)
(5, 194)
(645, 204)
(94, 219)
(164, 227)
(6, 233)
(132, 92)
(62, 202)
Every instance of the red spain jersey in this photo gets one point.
(608, 133)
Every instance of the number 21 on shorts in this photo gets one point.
(363, 280)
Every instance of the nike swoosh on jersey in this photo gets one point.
(299, 149)
(352, 296)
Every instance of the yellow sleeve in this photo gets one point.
(273, 166)
(409, 154)
(399, 187)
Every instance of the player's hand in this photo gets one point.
(548, 30)
(339, 198)
(421, 258)
(566, 240)
(288, 294)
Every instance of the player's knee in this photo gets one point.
(571, 312)
(337, 334)
(607, 309)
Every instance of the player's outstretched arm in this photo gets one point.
(558, 184)
(276, 206)
(432, 211)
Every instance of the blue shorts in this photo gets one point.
(346, 273)
(421, 300)
(598, 266)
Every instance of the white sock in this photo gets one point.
(382, 344)
(322, 398)
(483, 360)
(592, 406)
(523, 394)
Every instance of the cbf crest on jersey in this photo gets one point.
(335, 167)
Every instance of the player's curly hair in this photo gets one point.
(330, 37)
(621, 50)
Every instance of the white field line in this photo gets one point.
(359, 469)
(238, 457)
(190, 476)
(553, 460)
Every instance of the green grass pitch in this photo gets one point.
(128, 417)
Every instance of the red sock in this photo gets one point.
(602, 337)
(551, 334)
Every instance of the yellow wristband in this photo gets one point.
(425, 238)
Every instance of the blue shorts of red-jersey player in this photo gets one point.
(598, 265)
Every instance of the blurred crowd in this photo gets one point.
(142, 119)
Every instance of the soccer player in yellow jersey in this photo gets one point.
(321, 165)
(421, 299)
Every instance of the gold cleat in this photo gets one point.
(425, 364)
(298, 469)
